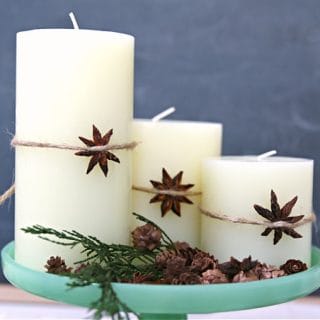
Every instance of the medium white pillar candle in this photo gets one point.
(233, 185)
(176, 146)
(68, 80)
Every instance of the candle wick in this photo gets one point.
(266, 155)
(163, 114)
(74, 21)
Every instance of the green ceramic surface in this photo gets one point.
(172, 301)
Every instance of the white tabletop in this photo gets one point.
(16, 304)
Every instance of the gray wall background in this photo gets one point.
(253, 65)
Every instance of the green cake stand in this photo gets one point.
(168, 301)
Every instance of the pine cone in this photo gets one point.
(293, 266)
(243, 276)
(140, 278)
(202, 262)
(187, 278)
(181, 245)
(175, 266)
(214, 276)
(264, 271)
(146, 237)
(81, 267)
(56, 265)
(184, 250)
(163, 257)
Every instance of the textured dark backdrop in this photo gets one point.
(253, 65)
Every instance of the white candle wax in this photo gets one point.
(176, 146)
(232, 185)
(68, 80)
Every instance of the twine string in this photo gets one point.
(278, 224)
(16, 142)
(7, 194)
(167, 192)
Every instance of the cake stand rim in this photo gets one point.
(168, 299)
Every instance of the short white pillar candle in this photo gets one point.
(233, 185)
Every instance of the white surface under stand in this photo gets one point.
(16, 304)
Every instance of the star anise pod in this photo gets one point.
(276, 214)
(100, 157)
(170, 202)
(293, 266)
(57, 265)
(247, 264)
(234, 266)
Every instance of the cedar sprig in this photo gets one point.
(107, 263)
(94, 249)
(108, 302)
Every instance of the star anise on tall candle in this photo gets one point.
(276, 214)
(100, 157)
(171, 201)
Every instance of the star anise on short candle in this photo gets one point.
(276, 214)
(100, 157)
(170, 201)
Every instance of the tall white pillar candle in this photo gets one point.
(176, 146)
(233, 185)
(68, 80)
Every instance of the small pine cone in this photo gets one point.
(146, 237)
(243, 276)
(264, 271)
(163, 257)
(202, 262)
(81, 267)
(293, 266)
(214, 276)
(175, 266)
(184, 250)
(140, 278)
(187, 278)
(56, 265)
(181, 245)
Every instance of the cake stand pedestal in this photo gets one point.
(157, 302)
